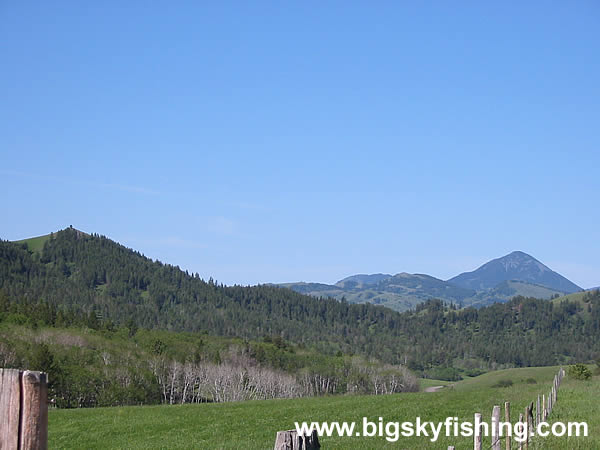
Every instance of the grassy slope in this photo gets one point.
(575, 297)
(253, 424)
(35, 244)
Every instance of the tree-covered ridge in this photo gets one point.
(96, 275)
(100, 278)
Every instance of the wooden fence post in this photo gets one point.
(496, 428)
(477, 435)
(10, 408)
(530, 424)
(23, 410)
(34, 410)
(527, 427)
(544, 412)
(507, 420)
(520, 421)
(538, 413)
(290, 440)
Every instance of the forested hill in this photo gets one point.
(94, 274)
(77, 272)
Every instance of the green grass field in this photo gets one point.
(254, 424)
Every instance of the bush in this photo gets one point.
(17, 319)
(503, 384)
(580, 372)
(474, 372)
(531, 381)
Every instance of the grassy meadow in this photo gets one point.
(253, 424)
(35, 244)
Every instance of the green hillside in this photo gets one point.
(254, 424)
(35, 244)
(576, 297)
(510, 289)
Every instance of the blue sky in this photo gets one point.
(270, 142)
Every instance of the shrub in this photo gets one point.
(531, 381)
(17, 319)
(474, 372)
(580, 372)
(503, 383)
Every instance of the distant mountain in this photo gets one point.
(400, 292)
(514, 266)
(362, 280)
(496, 281)
(423, 286)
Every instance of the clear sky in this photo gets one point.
(287, 141)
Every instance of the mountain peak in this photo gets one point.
(518, 266)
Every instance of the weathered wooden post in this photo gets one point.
(291, 440)
(521, 421)
(10, 408)
(507, 420)
(544, 411)
(34, 410)
(529, 423)
(538, 411)
(23, 410)
(496, 428)
(526, 418)
(451, 447)
(477, 438)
